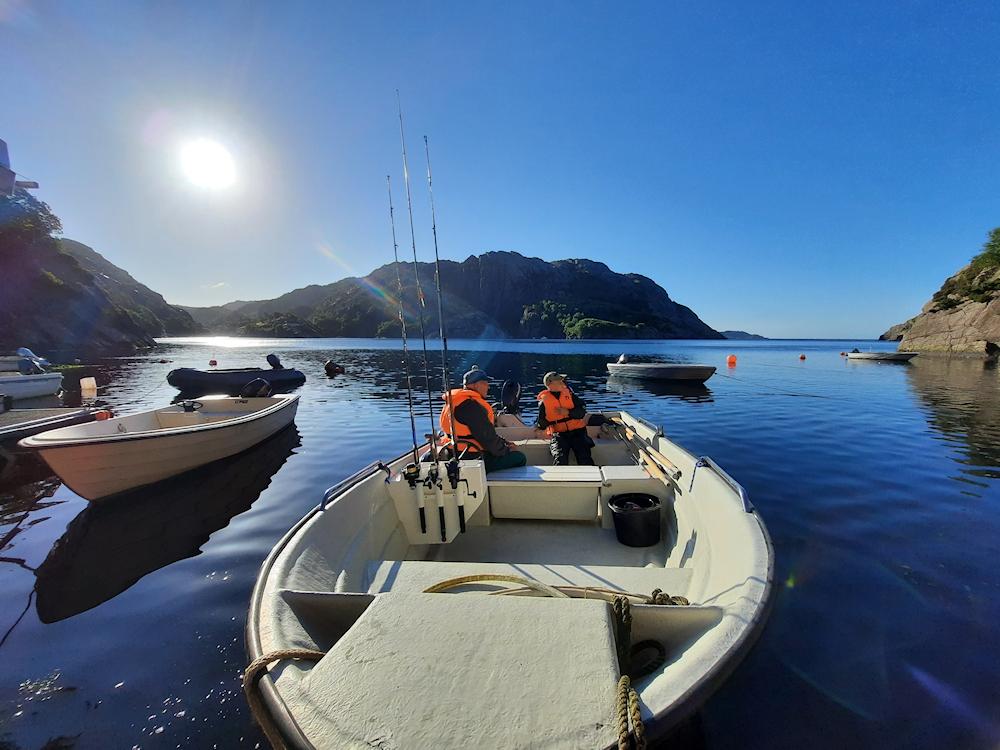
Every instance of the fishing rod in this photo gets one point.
(445, 370)
(412, 472)
(432, 475)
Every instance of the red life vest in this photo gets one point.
(556, 422)
(463, 435)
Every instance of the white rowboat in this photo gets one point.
(381, 660)
(102, 458)
(662, 371)
(883, 356)
(21, 387)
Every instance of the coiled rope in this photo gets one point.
(251, 688)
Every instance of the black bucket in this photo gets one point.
(637, 518)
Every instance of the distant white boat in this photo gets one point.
(20, 387)
(33, 383)
(662, 371)
(883, 356)
(105, 457)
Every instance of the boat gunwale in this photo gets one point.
(656, 725)
(38, 442)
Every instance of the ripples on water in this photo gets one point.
(122, 626)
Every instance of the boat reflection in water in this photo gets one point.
(110, 546)
(683, 391)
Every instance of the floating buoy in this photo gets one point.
(212, 363)
(802, 356)
(731, 360)
(332, 368)
(843, 354)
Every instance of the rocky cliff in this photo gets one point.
(59, 296)
(496, 294)
(963, 317)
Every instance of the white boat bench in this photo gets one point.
(557, 493)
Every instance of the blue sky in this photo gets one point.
(792, 169)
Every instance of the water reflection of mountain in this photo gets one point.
(964, 401)
(697, 393)
(110, 546)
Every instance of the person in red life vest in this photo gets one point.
(563, 416)
(473, 424)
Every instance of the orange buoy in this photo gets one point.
(212, 363)
(802, 356)
(101, 415)
(731, 360)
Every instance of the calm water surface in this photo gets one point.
(123, 626)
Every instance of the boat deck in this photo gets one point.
(541, 542)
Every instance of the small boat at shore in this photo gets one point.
(106, 457)
(661, 371)
(22, 376)
(883, 356)
(232, 382)
(433, 605)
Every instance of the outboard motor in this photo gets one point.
(256, 388)
(27, 353)
(272, 359)
(27, 366)
(510, 397)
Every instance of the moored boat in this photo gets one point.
(883, 356)
(22, 376)
(661, 371)
(106, 457)
(196, 382)
(436, 605)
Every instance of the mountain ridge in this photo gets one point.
(499, 294)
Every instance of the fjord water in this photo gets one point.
(123, 625)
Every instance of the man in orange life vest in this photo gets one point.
(563, 416)
(473, 424)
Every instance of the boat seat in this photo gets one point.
(417, 575)
(455, 672)
(558, 493)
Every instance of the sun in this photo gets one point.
(208, 164)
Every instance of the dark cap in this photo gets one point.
(475, 375)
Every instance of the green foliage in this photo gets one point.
(25, 220)
(990, 255)
(595, 328)
(52, 278)
(980, 282)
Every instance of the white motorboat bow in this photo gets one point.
(355, 644)
(105, 457)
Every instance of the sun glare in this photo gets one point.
(208, 164)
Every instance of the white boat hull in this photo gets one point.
(433, 679)
(96, 465)
(21, 387)
(662, 371)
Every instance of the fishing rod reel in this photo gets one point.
(412, 474)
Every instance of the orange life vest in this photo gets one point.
(551, 403)
(463, 435)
